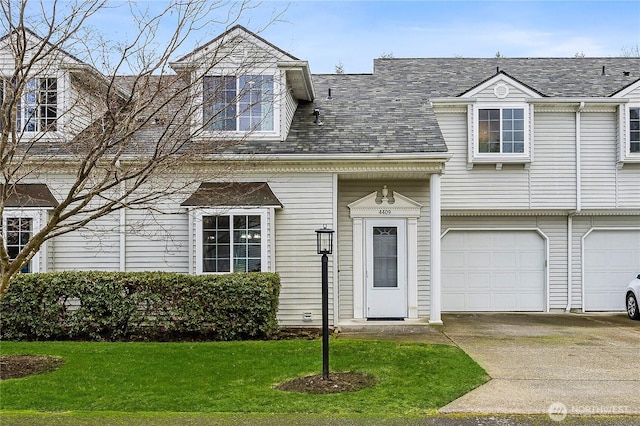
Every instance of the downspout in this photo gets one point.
(577, 210)
(122, 227)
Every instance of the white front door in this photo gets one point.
(386, 268)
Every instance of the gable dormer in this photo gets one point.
(58, 95)
(629, 123)
(500, 121)
(244, 86)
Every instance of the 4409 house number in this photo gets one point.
(384, 212)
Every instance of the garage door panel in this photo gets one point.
(477, 260)
(530, 301)
(504, 260)
(455, 300)
(478, 301)
(530, 282)
(504, 302)
(498, 270)
(611, 259)
(477, 281)
(504, 281)
(530, 260)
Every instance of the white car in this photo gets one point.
(632, 296)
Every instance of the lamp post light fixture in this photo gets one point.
(325, 247)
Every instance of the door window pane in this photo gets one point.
(385, 256)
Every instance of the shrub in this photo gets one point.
(140, 306)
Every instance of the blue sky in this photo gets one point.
(353, 33)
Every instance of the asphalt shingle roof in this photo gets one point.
(389, 111)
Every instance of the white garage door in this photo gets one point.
(611, 260)
(496, 271)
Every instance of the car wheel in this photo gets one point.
(632, 307)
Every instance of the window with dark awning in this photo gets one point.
(30, 195)
(233, 194)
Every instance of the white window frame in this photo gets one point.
(474, 154)
(264, 230)
(61, 88)
(626, 156)
(36, 216)
(267, 134)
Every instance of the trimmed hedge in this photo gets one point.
(140, 306)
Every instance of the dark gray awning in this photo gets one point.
(30, 195)
(233, 194)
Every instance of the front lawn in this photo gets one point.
(237, 377)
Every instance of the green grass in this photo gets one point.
(237, 377)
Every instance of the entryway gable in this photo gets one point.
(378, 210)
(380, 205)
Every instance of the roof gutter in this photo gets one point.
(432, 156)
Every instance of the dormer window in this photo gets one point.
(243, 103)
(499, 133)
(38, 106)
(501, 130)
(634, 130)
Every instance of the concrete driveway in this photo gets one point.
(574, 364)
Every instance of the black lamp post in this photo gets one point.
(325, 247)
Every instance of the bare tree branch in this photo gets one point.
(102, 141)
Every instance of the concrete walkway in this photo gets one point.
(561, 364)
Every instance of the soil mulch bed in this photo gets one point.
(16, 366)
(338, 382)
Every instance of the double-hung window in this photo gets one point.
(17, 228)
(501, 130)
(38, 106)
(634, 130)
(238, 103)
(232, 241)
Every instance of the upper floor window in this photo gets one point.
(634, 130)
(244, 103)
(501, 130)
(37, 109)
(38, 106)
(499, 133)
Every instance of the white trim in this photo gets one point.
(336, 251)
(501, 78)
(624, 135)
(197, 215)
(396, 298)
(39, 260)
(582, 250)
(547, 253)
(369, 208)
(474, 156)
(436, 250)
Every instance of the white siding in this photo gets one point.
(488, 94)
(288, 105)
(483, 187)
(350, 191)
(157, 241)
(307, 201)
(598, 154)
(628, 187)
(553, 171)
(95, 247)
